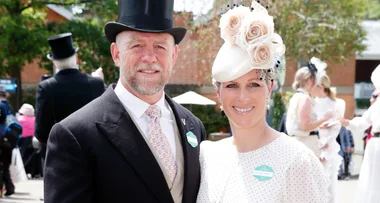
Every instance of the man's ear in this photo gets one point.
(115, 54)
(175, 54)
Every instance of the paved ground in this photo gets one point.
(31, 192)
(26, 192)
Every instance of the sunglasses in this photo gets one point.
(374, 96)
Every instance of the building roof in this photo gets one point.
(372, 41)
(61, 11)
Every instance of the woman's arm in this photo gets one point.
(304, 112)
(305, 181)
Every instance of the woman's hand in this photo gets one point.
(343, 121)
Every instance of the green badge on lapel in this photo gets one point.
(192, 139)
(263, 173)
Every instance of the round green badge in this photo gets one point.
(263, 173)
(192, 139)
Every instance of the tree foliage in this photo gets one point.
(329, 29)
(24, 32)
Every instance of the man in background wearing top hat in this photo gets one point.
(133, 143)
(66, 92)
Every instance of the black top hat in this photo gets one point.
(61, 46)
(145, 16)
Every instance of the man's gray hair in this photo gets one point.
(66, 63)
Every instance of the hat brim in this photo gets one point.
(112, 29)
(51, 57)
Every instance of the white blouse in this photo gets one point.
(284, 171)
(292, 117)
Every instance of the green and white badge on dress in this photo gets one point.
(263, 173)
(192, 139)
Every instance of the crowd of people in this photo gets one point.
(132, 143)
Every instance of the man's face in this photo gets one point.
(146, 61)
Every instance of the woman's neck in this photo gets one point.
(250, 139)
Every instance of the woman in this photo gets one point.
(256, 164)
(331, 160)
(26, 119)
(301, 119)
(369, 179)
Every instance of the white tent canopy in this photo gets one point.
(191, 97)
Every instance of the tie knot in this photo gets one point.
(153, 111)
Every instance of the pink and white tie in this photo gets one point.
(159, 142)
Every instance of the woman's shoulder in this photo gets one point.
(294, 147)
(215, 145)
(216, 148)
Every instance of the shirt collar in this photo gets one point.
(134, 104)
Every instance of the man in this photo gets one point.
(66, 92)
(133, 143)
(5, 151)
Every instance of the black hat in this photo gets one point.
(145, 16)
(61, 46)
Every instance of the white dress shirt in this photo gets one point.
(136, 109)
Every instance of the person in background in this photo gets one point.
(26, 118)
(64, 93)
(302, 121)
(350, 149)
(369, 178)
(5, 151)
(325, 100)
(344, 142)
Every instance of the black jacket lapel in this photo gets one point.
(191, 154)
(120, 130)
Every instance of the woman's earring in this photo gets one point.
(268, 106)
(222, 111)
(223, 114)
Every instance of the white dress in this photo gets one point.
(292, 122)
(284, 171)
(369, 178)
(328, 136)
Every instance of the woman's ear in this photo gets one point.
(218, 93)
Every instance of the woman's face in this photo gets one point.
(317, 91)
(244, 99)
(310, 84)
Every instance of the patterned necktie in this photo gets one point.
(159, 142)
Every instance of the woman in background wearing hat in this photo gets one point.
(257, 164)
(26, 119)
(369, 179)
(302, 121)
(326, 101)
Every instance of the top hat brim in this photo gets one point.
(51, 56)
(112, 29)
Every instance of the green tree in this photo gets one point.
(328, 29)
(278, 110)
(23, 34)
(373, 10)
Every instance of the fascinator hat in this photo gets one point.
(317, 67)
(249, 43)
(375, 78)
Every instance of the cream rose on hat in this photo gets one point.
(250, 43)
(231, 22)
(255, 27)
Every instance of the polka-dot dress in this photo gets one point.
(284, 171)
